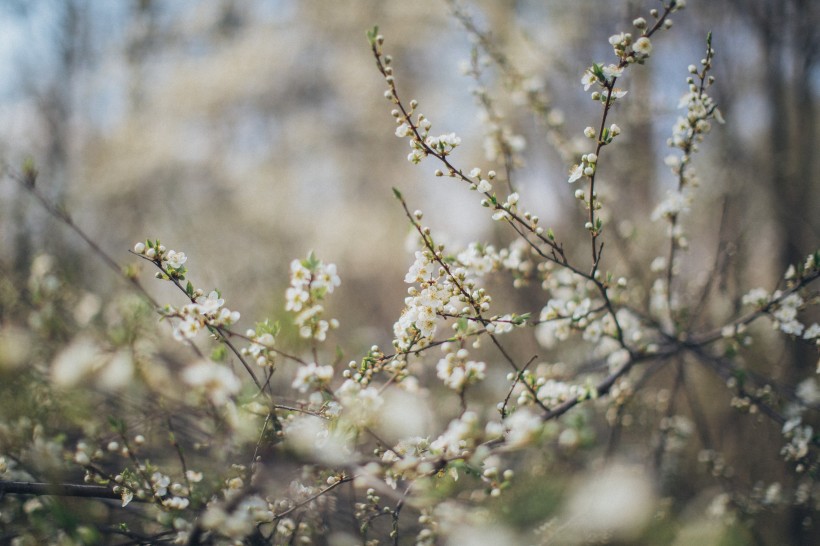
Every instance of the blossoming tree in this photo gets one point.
(460, 430)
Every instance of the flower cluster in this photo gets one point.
(447, 287)
(262, 339)
(456, 371)
(483, 184)
(799, 437)
(784, 306)
(419, 318)
(204, 311)
(630, 51)
(570, 307)
(310, 280)
(237, 522)
(460, 438)
(217, 381)
(171, 262)
(687, 132)
(603, 77)
(312, 377)
(360, 404)
(585, 168)
(421, 141)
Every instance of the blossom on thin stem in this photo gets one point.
(310, 280)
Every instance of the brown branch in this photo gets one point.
(61, 490)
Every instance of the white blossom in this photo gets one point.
(217, 381)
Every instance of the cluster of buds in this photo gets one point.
(585, 168)
(171, 262)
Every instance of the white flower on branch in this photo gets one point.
(218, 382)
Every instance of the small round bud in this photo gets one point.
(139, 248)
(589, 132)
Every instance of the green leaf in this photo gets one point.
(518, 320)
(372, 33)
(267, 327)
(462, 324)
(311, 262)
(398, 195)
(598, 71)
(219, 354)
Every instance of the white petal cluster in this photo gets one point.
(785, 314)
(312, 377)
(165, 258)
(239, 522)
(460, 437)
(675, 203)
(310, 281)
(260, 348)
(419, 318)
(360, 405)
(217, 381)
(204, 311)
(522, 428)
(456, 371)
(798, 438)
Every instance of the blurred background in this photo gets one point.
(247, 133)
